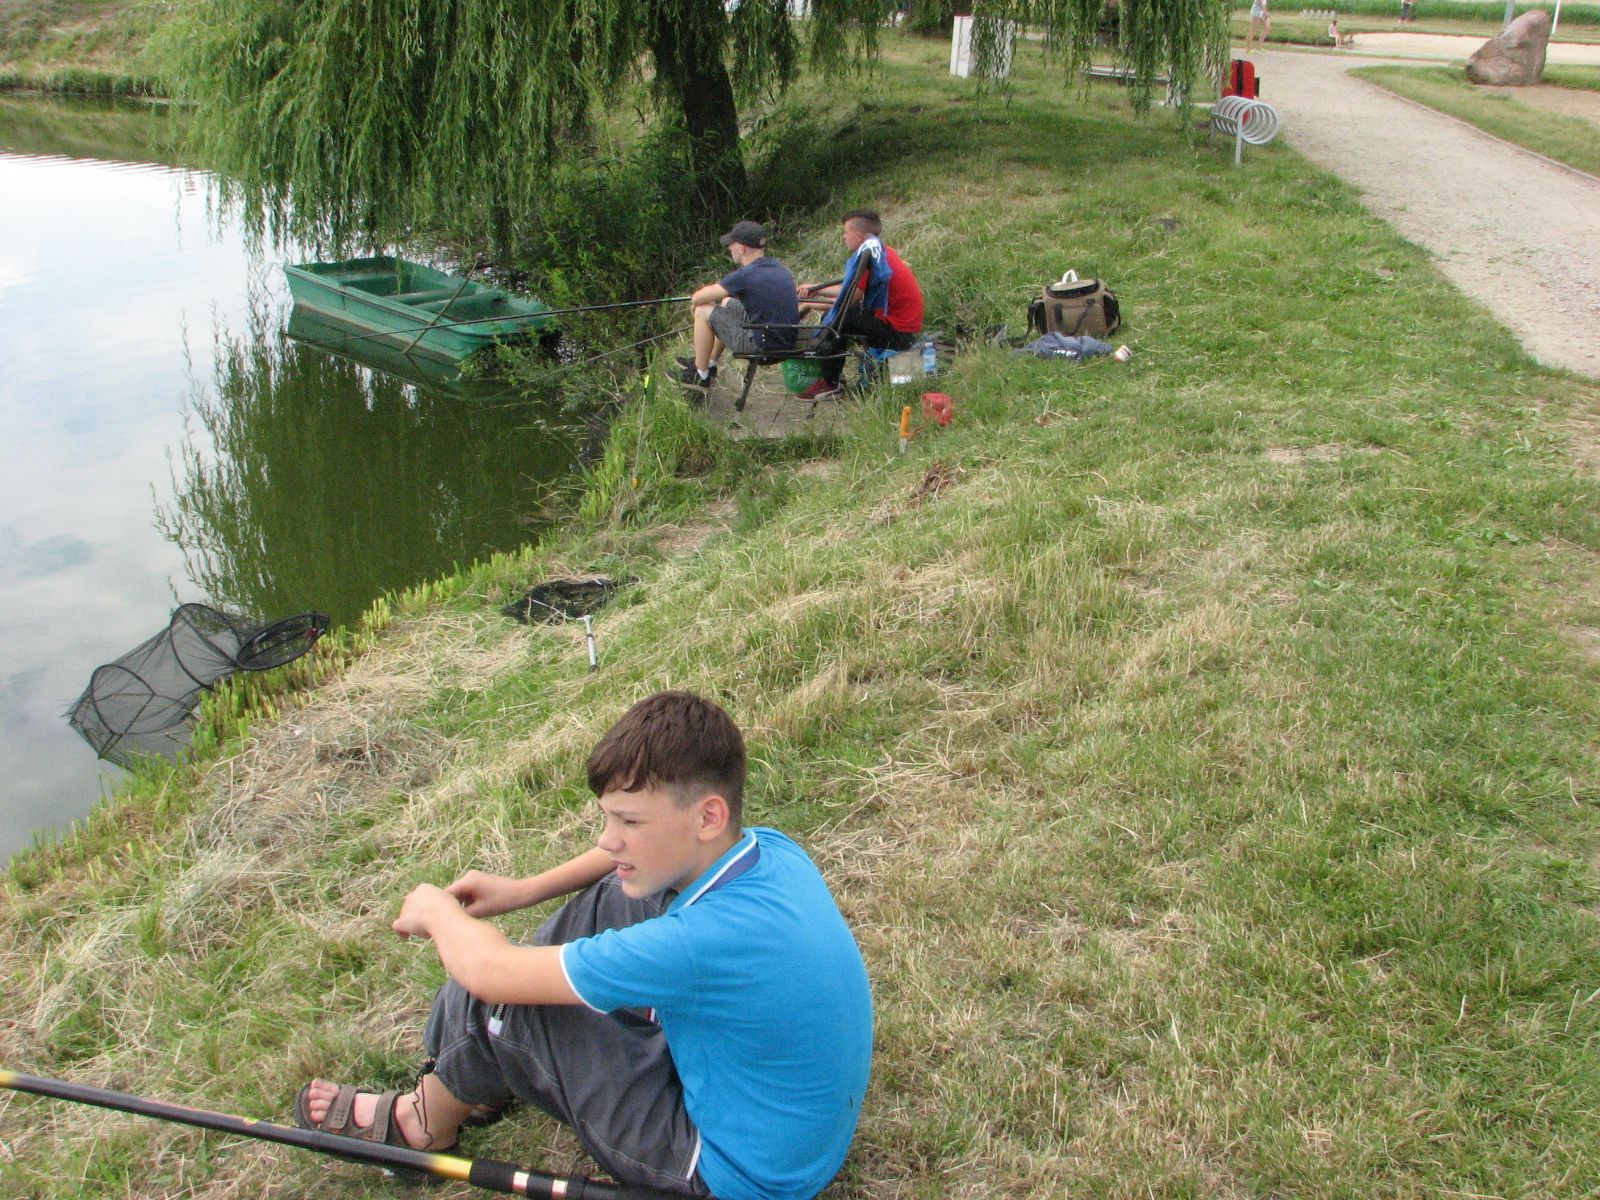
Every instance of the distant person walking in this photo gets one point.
(1260, 25)
(1405, 10)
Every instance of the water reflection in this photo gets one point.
(314, 480)
(120, 134)
(167, 441)
(383, 354)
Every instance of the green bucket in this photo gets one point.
(800, 373)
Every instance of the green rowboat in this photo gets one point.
(415, 308)
(425, 371)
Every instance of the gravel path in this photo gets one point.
(1511, 230)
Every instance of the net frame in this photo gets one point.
(143, 704)
(564, 599)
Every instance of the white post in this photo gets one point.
(961, 46)
(1555, 20)
(961, 64)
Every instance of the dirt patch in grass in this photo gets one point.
(1292, 455)
(686, 539)
(1325, 452)
(1585, 435)
(934, 482)
(1587, 639)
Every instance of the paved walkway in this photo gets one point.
(1520, 235)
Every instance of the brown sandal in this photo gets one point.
(339, 1120)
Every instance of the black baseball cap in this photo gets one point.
(747, 232)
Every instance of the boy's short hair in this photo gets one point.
(677, 741)
(865, 220)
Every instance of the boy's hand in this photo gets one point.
(485, 895)
(421, 907)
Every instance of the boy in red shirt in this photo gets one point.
(888, 316)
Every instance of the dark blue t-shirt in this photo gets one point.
(767, 291)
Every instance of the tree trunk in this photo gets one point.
(686, 46)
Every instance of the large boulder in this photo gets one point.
(1516, 57)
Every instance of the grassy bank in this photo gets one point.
(1567, 139)
(1478, 12)
(1308, 25)
(88, 47)
(1202, 748)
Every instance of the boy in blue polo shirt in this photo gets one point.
(698, 1013)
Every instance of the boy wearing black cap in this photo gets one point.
(760, 291)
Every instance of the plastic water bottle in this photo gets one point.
(930, 357)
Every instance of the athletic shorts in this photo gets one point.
(609, 1076)
(728, 323)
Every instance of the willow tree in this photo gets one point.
(337, 119)
(1184, 40)
(369, 114)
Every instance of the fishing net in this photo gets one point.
(143, 704)
(564, 599)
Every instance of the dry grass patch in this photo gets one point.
(691, 538)
(1295, 455)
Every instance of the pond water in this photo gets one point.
(167, 440)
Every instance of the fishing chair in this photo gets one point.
(814, 343)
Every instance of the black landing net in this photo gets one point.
(143, 704)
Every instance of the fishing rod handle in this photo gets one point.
(508, 1178)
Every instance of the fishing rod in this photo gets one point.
(604, 354)
(484, 1173)
(436, 323)
(544, 376)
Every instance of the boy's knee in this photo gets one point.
(451, 1018)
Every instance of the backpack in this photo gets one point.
(1075, 307)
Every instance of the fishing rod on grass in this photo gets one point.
(484, 1173)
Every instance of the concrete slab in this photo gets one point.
(772, 411)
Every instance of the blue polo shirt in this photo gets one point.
(764, 1002)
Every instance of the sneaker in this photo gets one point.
(687, 363)
(822, 389)
(690, 378)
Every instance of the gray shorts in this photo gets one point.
(727, 322)
(607, 1075)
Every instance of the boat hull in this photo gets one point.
(415, 308)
